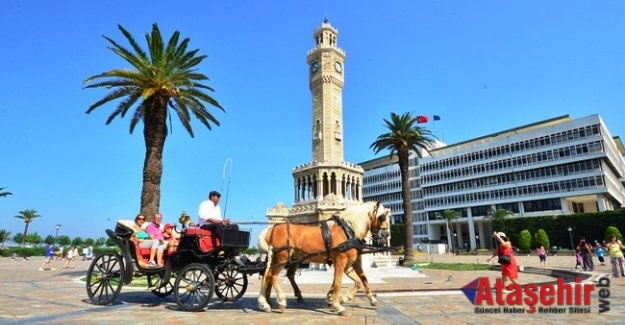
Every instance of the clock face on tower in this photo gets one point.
(338, 67)
(314, 67)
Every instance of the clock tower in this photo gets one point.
(326, 81)
(327, 183)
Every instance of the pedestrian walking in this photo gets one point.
(48, 260)
(616, 257)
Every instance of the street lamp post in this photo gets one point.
(477, 241)
(571, 237)
(56, 235)
(455, 243)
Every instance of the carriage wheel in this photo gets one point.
(104, 278)
(156, 286)
(194, 287)
(230, 284)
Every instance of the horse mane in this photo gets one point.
(357, 216)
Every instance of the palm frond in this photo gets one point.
(117, 93)
(133, 43)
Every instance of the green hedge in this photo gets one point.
(24, 251)
(591, 226)
(398, 234)
(41, 251)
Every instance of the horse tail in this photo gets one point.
(263, 245)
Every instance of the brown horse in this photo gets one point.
(354, 272)
(296, 242)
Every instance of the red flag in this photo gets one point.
(422, 119)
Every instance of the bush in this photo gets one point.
(525, 240)
(24, 251)
(613, 231)
(541, 238)
(398, 234)
(591, 226)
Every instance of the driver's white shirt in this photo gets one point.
(208, 210)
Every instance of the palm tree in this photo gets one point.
(3, 194)
(498, 215)
(164, 82)
(4, 236)
(450, 216)
(404, 136)
(28, 215)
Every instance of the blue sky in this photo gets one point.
(483, 66)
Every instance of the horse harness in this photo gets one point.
(351, 242)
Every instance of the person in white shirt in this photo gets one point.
(209, 214)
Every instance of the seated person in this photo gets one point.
(144, 240)
(210, 218)
(171, 238)
(156, 234)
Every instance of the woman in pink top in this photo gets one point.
(542, 255)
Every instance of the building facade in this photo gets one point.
(553, 167)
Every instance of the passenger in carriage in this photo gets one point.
(144, 240)
(155, 230)
(170, 237)
(210, 217)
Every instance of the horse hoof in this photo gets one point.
(281, 308)
(374, 303)
(343, 313)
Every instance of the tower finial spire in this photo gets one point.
(325, 16)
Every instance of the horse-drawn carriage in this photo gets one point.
(201, 265)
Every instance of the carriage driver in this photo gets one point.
(210, 215)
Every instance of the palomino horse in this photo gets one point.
(354, 272)
(289, 243)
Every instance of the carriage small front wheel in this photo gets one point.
(104, 278)
(194, 287)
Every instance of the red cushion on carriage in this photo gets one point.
(206, 240)
(198, 231)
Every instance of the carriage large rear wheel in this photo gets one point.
(104, 278)
(230, 284)
(155, 283)
(194, 287)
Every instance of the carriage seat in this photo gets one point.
(143, 253)
(206, 239)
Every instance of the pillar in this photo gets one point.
(483, 234)
(564, 205)
(471, 229)
(601, 203)
(458, 243)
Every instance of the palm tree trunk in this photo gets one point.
(25, 232)
(404, 163)
(154, 134)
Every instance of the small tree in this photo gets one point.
(109, 242)
(450, 217)
(4, 236)
(34, 238)
(100, 242)
(49, 239)
(525, 240)
(64, 240)
(77, 241)
(541, 238)
(613, 231)
(18, 238)
(497, 217)
(88, 241)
